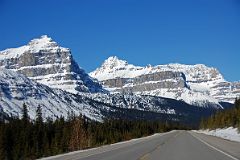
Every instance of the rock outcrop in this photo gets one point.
(168, 79)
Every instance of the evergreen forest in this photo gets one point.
(223, 118)
(27, 139)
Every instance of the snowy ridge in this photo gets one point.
(143, 103)
(114, 67)
(195, 98)
(203, 83)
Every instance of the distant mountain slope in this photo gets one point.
(195, 84)
(16, 89)
(44, 60)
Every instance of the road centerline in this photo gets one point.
(144, 156)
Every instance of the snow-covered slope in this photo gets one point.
(194, 84)
(44, 60)
(16, 89)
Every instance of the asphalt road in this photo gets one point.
(175, 145)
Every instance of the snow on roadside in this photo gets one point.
(226, 133)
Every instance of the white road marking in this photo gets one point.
(209, 145)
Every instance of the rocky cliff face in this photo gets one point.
(45, 61)
(168, 79)
(194, 84)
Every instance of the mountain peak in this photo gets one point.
(35, 45)
(44, 42)
(113, 58)
(42, 39)
(114, 61)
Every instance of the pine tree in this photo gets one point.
(39, 119)
(21, 146)
(25, 117)
(39, 132)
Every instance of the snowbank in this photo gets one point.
(226, 133)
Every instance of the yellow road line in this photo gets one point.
(145, 157)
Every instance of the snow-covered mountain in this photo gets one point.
(45, 61)
(194, 84)
(44, 73)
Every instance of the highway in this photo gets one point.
(174, 145)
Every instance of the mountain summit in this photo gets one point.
(114, 61)
(45, 61)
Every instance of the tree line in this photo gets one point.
(22, 138)
(223, 118)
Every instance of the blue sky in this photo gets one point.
(140, 31)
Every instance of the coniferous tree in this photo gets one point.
(25, 117)
(22, 137)
(39, 119)
(39, 132)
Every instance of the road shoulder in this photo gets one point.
(226, 147)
